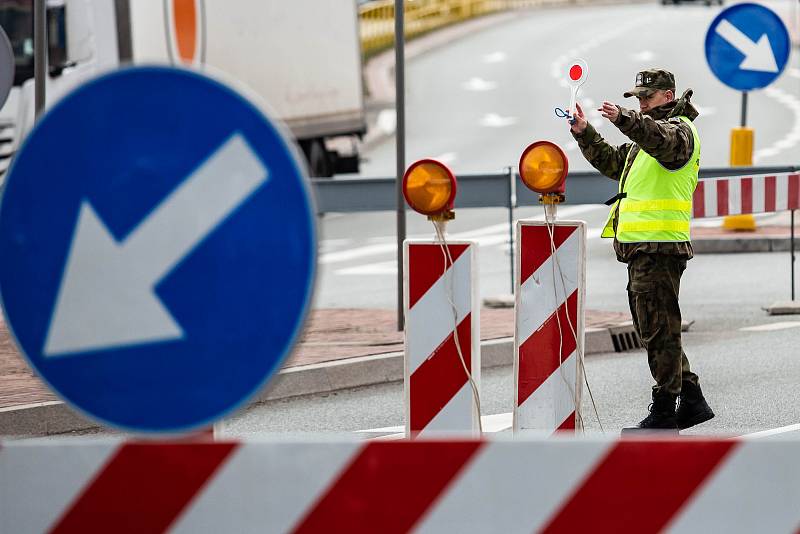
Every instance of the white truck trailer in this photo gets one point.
(300, 57)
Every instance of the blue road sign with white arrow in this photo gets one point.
(158, 249)
(747, 46)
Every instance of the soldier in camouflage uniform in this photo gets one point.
(654, 267)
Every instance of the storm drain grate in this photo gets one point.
(625, 339)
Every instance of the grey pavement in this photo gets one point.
(494, 86)
(476, 101)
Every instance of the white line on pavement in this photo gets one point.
(790, 139)
(478, 85)
(447, 158)
(387, 121)
(494, 57)
(503, 421)
(643, 56)
(491, 423)
(370, 269)
(773, 432)
(493, 120)
(386, 244)
(783, 325)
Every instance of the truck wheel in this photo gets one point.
(319, 165)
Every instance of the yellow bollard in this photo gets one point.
(741, 156)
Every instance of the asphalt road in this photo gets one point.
(749, 377)
(477, 102)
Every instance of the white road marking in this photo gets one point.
(794, 73)
(495, 57)
(705, 111)
(478, 85)
(486, 235)
(493, 120)
(773, 432)
(793, 137)
(328, 245)
(355, 253)
(387, 121)
(644, 55)
(379, 268)
(447, 158)
(491, 424)
(783, 325)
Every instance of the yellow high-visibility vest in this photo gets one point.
(655, 203)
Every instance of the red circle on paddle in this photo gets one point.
(575, 73)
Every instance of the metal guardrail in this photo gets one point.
(487, 190)
(376, 19)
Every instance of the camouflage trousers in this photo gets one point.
(654, 282)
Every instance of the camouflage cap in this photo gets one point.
(650, 80)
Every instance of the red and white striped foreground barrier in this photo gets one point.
(548, 382)
(715, 197)
(553, 485)
(439, 396)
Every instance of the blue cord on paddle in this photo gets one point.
(560, 113)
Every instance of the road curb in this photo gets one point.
(734, 244)
(55, 417)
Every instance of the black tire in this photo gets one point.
(319, 164)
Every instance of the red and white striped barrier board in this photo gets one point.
(715, 197)
(553, 485)
(548, 382)
(439, 397)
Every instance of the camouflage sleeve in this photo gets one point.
(606, 158)
(669, 141)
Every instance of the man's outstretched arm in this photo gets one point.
(670, 141)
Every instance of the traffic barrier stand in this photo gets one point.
(715, 197)
(549, 325)
(439, 396)
(550, 275)
(508, 486)
(440, 306)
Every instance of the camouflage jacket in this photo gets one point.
(660, 133)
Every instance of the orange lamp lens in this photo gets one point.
(429, 187)
(543, 167)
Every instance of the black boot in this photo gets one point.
(693, 408)
(662, 415)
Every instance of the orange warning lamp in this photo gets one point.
(543, 168)
(430, 189)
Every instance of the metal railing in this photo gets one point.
(501, 189)
(376, 19)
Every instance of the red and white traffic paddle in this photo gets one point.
(578, 72)
(576, 76)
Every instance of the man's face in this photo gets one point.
(658, 98)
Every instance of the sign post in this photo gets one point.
(747, 47)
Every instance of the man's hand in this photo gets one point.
(609, 111)
(580, 120)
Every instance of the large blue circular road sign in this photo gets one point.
(747, 46)
(159, 249)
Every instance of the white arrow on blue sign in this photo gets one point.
(159, 249)
(747, 46)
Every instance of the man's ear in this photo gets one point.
(670, 94)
